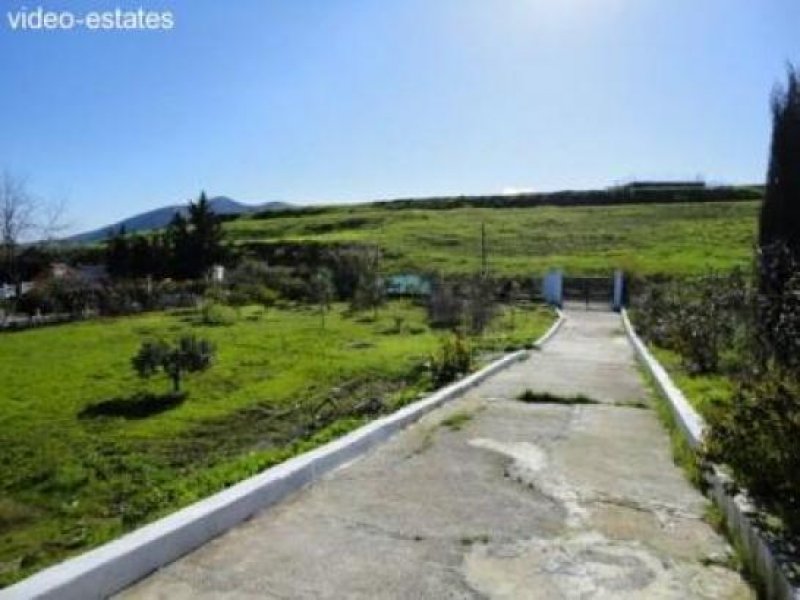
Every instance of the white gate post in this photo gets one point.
(553, 288)
(619, 286)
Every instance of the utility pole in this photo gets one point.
(484, 258)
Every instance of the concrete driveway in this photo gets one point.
(490, 497)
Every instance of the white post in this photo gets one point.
(619, 286)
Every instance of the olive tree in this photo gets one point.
(189, 355)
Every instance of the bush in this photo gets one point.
(779, 307)
(352, 268)
(369, 293)
(213, 313)
(701, 319)
(453, 360)
(249, 272)
(445, 306)
(652, 311)
(71, 295)
(481, 305)
(287, 283)
(756, 435)
(251, 293)
(467, 303)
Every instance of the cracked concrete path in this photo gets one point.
(521, 501)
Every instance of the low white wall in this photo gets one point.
(737, 510)
(553, 329)
(688, 420)
(110, 568)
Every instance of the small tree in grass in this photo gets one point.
(322, 290)
(369, 293)
(188, 355)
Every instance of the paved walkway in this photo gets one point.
(523, 501)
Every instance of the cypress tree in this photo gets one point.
(779, 228)
(206, 237)
(177, 240)
(780, 212)
(118, 258)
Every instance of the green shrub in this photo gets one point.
(250, 293)
(212, 313)
(453, 360)
(702, 319)
(464, 302)
(756, 435)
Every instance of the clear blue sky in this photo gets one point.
(345, 100)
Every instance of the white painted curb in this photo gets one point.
(112, 567)
(691, 423)
(737, 508)
(552, 331)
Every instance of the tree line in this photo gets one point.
(186, 249)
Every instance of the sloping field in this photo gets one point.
(646, 239)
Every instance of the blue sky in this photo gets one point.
(345, 100)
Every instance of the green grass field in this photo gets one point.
(72, 477)
(702, 391)
(677, 239)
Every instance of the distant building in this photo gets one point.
(87, 273)
(9, 291)
(635, 187)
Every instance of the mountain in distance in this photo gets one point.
(160, 218)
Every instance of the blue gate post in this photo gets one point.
(553, 287)
(619, 287)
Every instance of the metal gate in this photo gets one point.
(599, 293)
(589, 292)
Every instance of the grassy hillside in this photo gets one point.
(90, 451)
(677, 238)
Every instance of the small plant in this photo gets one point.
(322, 292)
(457, 420)
(453, 359)
(714, 517)
(470, 540)
(399, 323)
(445, 305)
(188, 355)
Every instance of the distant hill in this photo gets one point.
(160, 217)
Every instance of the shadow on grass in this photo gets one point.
(138, 406)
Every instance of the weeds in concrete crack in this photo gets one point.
(531, 397)
(425, 443)
(457, 420)
(633, 404)
(471, 540)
